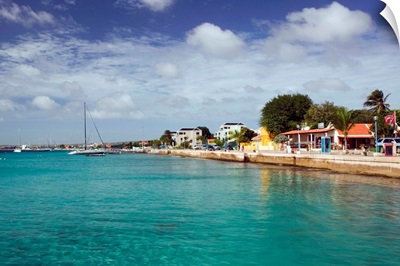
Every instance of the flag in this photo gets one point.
(390, 119)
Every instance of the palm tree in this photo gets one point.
(376, 101)
(236, 135)
(345, 120)
(166, 138)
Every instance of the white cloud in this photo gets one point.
(318, 31)
(8, 105)
(327, 84)
(176, 102)
(73, 89)
(334, 23)
(26, 70)
(116, 106)
(154, 5)
(9, 90)
(44, 103)
(214, 41)
(285, 51)
(24, 15)
(253, 90)
(167, 70)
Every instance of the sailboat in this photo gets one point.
(85, 150)
(26, 148)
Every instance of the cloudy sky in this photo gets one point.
(144, 66)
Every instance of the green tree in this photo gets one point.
(344, 122)
(219, 142)
(376, 102)
(166, 138)
(236, 135)
(130, 145)
(247, 134)
(155, 143)
(136, 144)
(202, 139)
(321, 113)
(284, 112)
(385, 130)
(363, 116)
(281, 139)
(205, 132)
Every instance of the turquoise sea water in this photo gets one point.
(139, 209)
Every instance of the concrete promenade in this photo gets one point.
(372, 164)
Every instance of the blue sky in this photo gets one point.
(144, 66)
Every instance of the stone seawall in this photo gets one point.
(352, 164)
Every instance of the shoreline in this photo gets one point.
(382, 166)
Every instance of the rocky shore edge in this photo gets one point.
(350, 164)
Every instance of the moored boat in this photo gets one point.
(113, 151)
(86, 151)
(25, 148)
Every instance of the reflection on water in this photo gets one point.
(264, 178)
(332, 217)
(160, 210)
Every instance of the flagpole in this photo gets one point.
(394, 124)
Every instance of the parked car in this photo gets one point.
(381, 143)
(228, 147)
(213, 147)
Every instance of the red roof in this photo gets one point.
(318, 130)
(358, 131)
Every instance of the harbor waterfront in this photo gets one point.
(146, 209)
(374, 164)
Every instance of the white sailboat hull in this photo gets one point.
(87, 152)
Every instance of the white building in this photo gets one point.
(188, 134)
(225, 128)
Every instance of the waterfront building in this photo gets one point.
(359, 134)
(224, 129)
(262, 142)
(190, 135)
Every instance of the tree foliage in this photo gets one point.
(384, 130)
(284, 112)
(244, 135)
(376, 102)
(205, 132)
(247, 134)
(219, 142)
(344, 122)
(236, 135)
(321, 113)
(363, 116)
(281, 138)
(166, 137)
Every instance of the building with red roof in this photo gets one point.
(359, 134)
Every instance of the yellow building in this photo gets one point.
(262, 142)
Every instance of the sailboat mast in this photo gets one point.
(84, 121)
